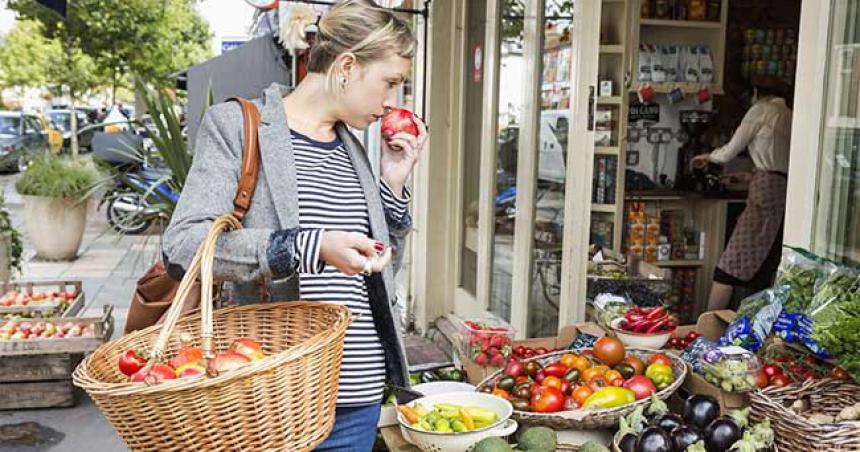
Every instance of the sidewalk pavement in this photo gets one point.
(108, 264)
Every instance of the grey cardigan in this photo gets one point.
(263, 251)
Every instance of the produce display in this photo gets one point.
(48, 304)
(754, 320)
(486, 344)
(522, 352)
(447, 418)
(529, 439)
(603, 377)
(654, 320)
(18, 330)
(697, 428)
(189, 362)
(800, 271)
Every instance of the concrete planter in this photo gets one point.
(56, 226)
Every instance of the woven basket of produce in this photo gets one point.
(593, 414)
(814, 415)
(254, 377)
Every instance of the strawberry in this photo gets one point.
(480, 359)
(497, 341)
(492, 351)
(497, 361)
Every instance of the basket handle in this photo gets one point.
(202, 264)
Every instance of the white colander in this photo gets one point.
(465, 441)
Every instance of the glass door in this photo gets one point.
(539, 70)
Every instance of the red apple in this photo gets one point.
(190, 370)
(398, 120)
(248, 347)
(154, 374)
(227, 361)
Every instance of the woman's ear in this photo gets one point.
(347, 65)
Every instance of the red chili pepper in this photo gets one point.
(655, 313)
(659, 325)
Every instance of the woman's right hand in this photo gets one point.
(349, 252)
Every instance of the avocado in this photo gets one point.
(492, 444)
(538, 438)
(591, 446)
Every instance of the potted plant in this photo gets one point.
(11, 246)
(55, 191)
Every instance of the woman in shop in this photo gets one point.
(753, 252)
(318, 211)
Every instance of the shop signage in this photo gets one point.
(644, 112)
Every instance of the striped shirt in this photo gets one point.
(331, 198)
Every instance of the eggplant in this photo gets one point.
(654, 439)
(701, 410)
(721, 434)
(685, 436)
(667, 421)
(627, 443)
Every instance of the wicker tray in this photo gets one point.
(591, 419)
(794, 433)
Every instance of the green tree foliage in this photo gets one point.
(24, 56)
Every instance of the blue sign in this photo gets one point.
(230, 45)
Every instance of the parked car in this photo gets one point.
(21, 137)
(62, 119)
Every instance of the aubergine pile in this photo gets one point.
(699, 428)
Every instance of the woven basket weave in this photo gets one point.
(285, 402)
(591, 419)
(794, 433)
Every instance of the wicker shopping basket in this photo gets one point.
(794, 432)
(285, 402)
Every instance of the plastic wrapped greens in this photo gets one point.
(755, 319)
(801, 271)
(837, 299)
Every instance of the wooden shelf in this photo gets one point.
(688, 88)
(607, 150)
(609, 100)
(681, 263)
(612, 49)
(681, 23)
(605, 208)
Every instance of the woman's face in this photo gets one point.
(371, 90)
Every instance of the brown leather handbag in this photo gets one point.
(156, 289)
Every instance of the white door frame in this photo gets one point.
(807, 122)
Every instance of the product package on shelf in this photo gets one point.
(769, 52)
(669, 63)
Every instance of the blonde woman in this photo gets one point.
(321, 225)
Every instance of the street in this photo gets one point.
(108, 265)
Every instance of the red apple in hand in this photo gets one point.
(398, 120)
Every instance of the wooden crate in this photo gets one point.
(38, 381)
(75, 306)
(37, 373)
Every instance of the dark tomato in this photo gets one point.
(521, 404)
(771, 370)
(597, 382)
(636, 362)
(779, 380)
(522, 393)
(610, 350)
(566, 387)
(761, 380)
(531, 368)
(839, 373)
(539, 376)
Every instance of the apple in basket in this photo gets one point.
(192, 369)
(227, 361)
(248, 347)
(153, 374)
(186, 355)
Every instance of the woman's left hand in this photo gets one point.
(400, 154)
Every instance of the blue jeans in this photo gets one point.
(354, 430)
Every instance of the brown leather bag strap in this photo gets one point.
(250, 158)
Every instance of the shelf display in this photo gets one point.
(769, 52)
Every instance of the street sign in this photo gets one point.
(228, 45)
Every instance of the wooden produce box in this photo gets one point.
(37, 373)
(476, 374)
(42, 310)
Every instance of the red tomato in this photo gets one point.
(130, 362)
(762, 380)
(659, 358)
(555, 370)
(641, 386)
(597, 382)
(541, 351)
(521, 379)
(692, 335)
(779, 380)
(809, 359)
(547, 400)
(771, 370)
